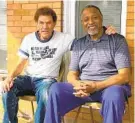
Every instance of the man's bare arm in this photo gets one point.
(19, 68)
(8, 82)
(122, 77)
(73, 77)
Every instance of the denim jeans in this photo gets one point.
(26, 85)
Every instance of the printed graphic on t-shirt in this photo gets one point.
(39, 53)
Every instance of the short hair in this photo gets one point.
(92, 6)
(45, 11)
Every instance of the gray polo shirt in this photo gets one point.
(98, 60)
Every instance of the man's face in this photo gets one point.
(45, 26)
(91, 21)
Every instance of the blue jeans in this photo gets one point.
(26, 85)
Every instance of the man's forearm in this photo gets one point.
(18, 69)
(113, 80)
(73, 78)
(15, 72)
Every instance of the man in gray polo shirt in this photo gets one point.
(99, 71)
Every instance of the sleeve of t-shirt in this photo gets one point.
(74, 63)
(23, 50)
(122, 56)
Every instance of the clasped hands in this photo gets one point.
(84, 88)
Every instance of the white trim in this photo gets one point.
(3, 71)
(69, 16)
(3, 35)
(123, 17)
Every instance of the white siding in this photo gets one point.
(3, 34)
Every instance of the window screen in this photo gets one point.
(111, 11)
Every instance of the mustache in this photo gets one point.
(44, 30)
(91, 25)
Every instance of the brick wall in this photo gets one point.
(20, 22)
(130, 39)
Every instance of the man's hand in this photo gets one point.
(77, 87)
(85, 89)
(80, 93)
(7, 84)
(110, 30)
(79, 84)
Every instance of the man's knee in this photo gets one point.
(55, 88)
(113, 93)
(43, 94)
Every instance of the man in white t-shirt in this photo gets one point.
(42, 51)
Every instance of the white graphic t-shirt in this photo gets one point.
(44, 58)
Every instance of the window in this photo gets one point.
(3, 36)
(114, 13)
(111, 11)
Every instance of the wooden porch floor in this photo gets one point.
(25, 107)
